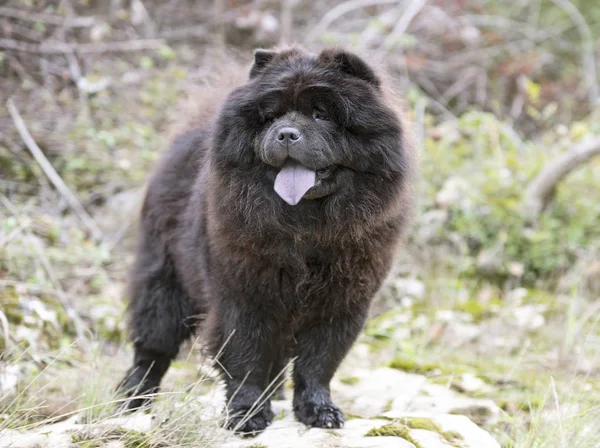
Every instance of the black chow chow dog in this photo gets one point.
(272, 229)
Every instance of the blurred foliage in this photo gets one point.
(478, 168)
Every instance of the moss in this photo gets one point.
(411, 365)
(351, 416)
(401, 428)
(93, 443)
(475, 308)
(452, 436)
(135, 439)
(421, 423)
(350, 380)
(430, 425)
(130, 439)
(394, 429)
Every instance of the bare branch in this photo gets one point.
(540, 189)
(411, 11)
(51, 173)
(587, 49)
(340, 10)
(61, 47)
(287, 8)
(50, 19)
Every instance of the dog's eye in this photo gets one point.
(320, 114)
(267, 118)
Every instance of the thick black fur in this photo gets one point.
(266, 281)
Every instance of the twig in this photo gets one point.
(462, 83)
(402, 24)
(587, 49)
(541, 187)
(140, 15)
(287, 9)
(339, 11)
(561, 430)
(51, 173)
(50, 19)
(61, 47)
(5, 328)
(183, 33)
(219, 22)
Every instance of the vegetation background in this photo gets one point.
(500, 276)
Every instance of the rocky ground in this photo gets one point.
(385, 407)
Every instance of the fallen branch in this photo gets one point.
(587, 49)
(125, 46)
(50, 19)
(51, 173)
(61, 47)
(402, 25)
(341, 10)
(540, 189)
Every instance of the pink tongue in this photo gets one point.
(293, 181)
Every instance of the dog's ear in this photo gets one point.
(262, 58)
(350, 64)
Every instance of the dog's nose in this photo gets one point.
(288, 136)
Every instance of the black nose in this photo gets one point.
(288, 136)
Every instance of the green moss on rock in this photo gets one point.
(401, 428)
(394, 429)
(350, 380)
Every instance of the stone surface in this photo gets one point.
(473, 435)
(375, 390)
(437, 399)
(429, 439)
(371, 400)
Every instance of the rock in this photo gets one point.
(591, 280)
(516, 269)
(529, 317)
(429, 439)
(93, 86)
(432, 226)
(437, 399)
(410, 287)
(378, 442)
(473, 436)
(115, 444)
(10, 374)
(376, 390)
(470, 35)
(490, 261)
(291, 434)
(469, 383)
(251, 27)
(449, 431)
(14, 439)
(455, 333)
(482, 411)
(286, 433)
(516, 296)
(133, 422)
(455, 190)
(119, 210)
(377, 395)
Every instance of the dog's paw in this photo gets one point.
(320, 415)
(136, 392)
(249, 422)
